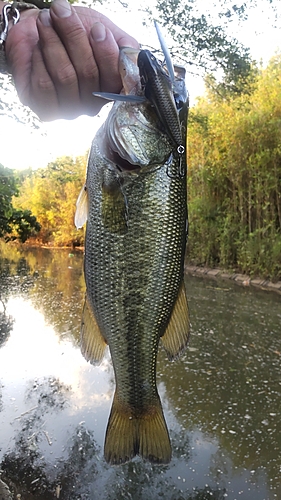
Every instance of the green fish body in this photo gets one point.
(135, 241)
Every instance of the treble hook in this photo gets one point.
(174, 170)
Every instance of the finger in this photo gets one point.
(20, 42)
(43, 96)
(91, 16)
(59, 67)
(122, 38)
(106, 53)
(74, 37)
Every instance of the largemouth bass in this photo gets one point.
(135, 204)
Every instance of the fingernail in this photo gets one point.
(61, 8)
(45, 18)
(98, 32)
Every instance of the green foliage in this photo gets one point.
(51, 194)
(7, 190)
(25, 224)
(235, 178)
(14, 224)
(202, 38)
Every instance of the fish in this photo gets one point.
(134, 203)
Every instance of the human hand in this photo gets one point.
(58, 57)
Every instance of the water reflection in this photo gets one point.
(232, 378)
(6, 326)
(221, 400)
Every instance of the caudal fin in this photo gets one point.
(129, 434)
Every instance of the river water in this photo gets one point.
(221, 399)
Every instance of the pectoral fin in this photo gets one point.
(93, 343)
(82, 208)
(114, 208)
(176, 336)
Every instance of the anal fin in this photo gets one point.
(176, 336)
(93, 343)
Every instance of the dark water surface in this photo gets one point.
(221, 399)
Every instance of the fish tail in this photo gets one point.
(128, 435)
(154, 444)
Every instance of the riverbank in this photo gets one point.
(240, 279)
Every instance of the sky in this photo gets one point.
(37, 148)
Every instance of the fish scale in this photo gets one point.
(129, 305)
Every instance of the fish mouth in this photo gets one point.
(121, 164)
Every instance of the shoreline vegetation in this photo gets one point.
(234, 185)
(234, 178)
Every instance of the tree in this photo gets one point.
(14, 224)
(51, 194)
(7, 190)
(235, 178)
(203, 39)
(24, 224)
